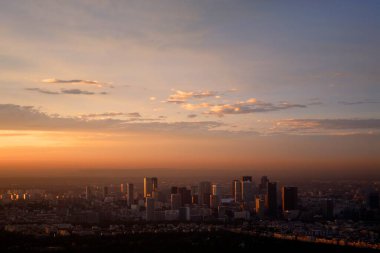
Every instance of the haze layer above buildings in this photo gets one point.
(288, 86)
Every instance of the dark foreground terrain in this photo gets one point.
(164, 242)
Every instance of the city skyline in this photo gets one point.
(252, 85)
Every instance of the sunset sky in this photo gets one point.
(189, 84)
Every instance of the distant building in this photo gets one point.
(260, 206)
(175, 201)
(214, 201)
(150, 185)
(185, 196)
(271, 199)
(246, 178)
(174, 190)
(237, 191)
(264, 184)
(217, 190)
(130, 193)
(247, 190)
(105, 191)
(89, 193)
(194, 199)
(204, 193)
(123, 188)
(289, 198)
(149, 205)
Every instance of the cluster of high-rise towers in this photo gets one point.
(262, 199)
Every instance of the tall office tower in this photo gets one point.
(237, 191)
(194, 200)
(185, 196)
(175, 201)
(150, 185)
(246, 178)
(214, 201)
(174, 190)
(264, 183)
(88, 193)
(194, 190)
(123, 188)
(130, 194)
(105, 191)
(373, 200)
(271, 199)
(149, 205)
(204, 193)
(260, 206)
(154, 183)
(289, 198)
(217, 190)
(247, 191)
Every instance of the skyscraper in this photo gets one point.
(237, 191)
(264, 183)
(175, 201)
(204, 193)
(149, 205)
(246, 178)
(105, 191)
(185, 196)
(217, 190)
(260, 206)
(130, 193)
(88, 193)
(271, 199)
(289, 198)
(150, 185)
(154, 183)
(123, 188)
(247, 189)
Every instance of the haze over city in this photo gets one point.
(257, 85)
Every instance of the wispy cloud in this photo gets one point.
(16, 117)
(78, 81)
(360, 102)
(66, 91)
(180, 97)
(77, 92)
(327, 126)
(111, 115)
(44, 91)
(191, 116)
(251, 105)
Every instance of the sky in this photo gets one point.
(190, 84)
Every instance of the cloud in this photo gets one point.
(251, 105)
(360, 102)
(43, 91)
(77, 92)
(111, 114)
(191, 116)
(152, 98)
(17, 117)
(327, 126)
(191, 107)
(180, 97)
(65, 91)
(134, 114)
(78, 82)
